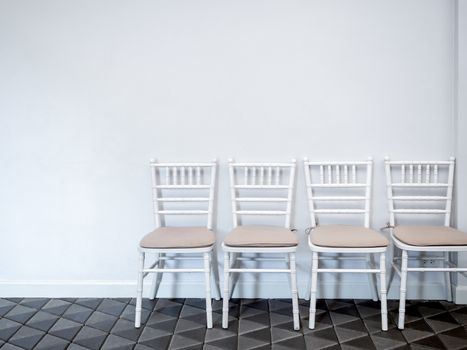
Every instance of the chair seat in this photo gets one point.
(430, 235)
(347, 236)
(179, 237)
(261, 236)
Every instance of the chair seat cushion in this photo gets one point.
(179, 237)
(347, 236)
(261, 236)
(430, 235)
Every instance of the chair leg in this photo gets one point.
(155, 278)
(314, 282)
(371, 278)
(226, 297)
(139, 290)
(215, 274)
(207, 276)
(383, 294)
(447, 278)
(403, 289)
(293, 282)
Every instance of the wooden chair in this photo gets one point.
(262, 185)
(331, 189)
(422, 190)
(188, 188)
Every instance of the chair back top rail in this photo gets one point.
(267, 177)
(342, 176)
(175, 183)
(424, 176)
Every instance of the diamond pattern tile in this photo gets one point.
(90, 323)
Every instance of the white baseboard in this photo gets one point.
(247, 289)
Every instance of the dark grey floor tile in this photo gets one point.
(226, 343)
(20, 313)
(373, 323)
(11, 347)
(8, 328)
(129, 314)
(253, 323)
(430, 308)
(65, 329)
(361, 343)
(391, 339)
(322, 321)
(35, 303)
(147, 304)
(188, 339)
(42, 320)
(344, 314)
(90, 338)
(156, 338)
(49, 342)
(77, 313)
(283, 331)
(460, 315)
(56, 306)
(417, 330)
(321, 339)
(295, 343)
(256, 339)
(5, 306)
(91, 303)
(76, 347)
(441, 322)
(368, 308)
(114, 342)
(101, 321)
(350, 330)
(455, 338)
(26, 337)
(411, 314)
(126, 329)
(432, 342)
(111, 307)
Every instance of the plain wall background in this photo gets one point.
(90, 91)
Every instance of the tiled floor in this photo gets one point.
(254, 324)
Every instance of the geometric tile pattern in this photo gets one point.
(86, 323)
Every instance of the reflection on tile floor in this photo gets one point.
(75, 324)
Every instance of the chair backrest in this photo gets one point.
(260, 184)
(422, 185)
(340, 186)
(176, 184)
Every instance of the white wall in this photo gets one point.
(461, 129)
(89, 91)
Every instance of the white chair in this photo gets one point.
(264, 186)
(422, 190)
(180, 189)
(343, 189)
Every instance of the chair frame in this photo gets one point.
(344, 175)
(191, 178)
(426, 178)
(260, 176)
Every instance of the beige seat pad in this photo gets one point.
(430, 235)
(347, 236)
(179, 237)
(261, 236)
